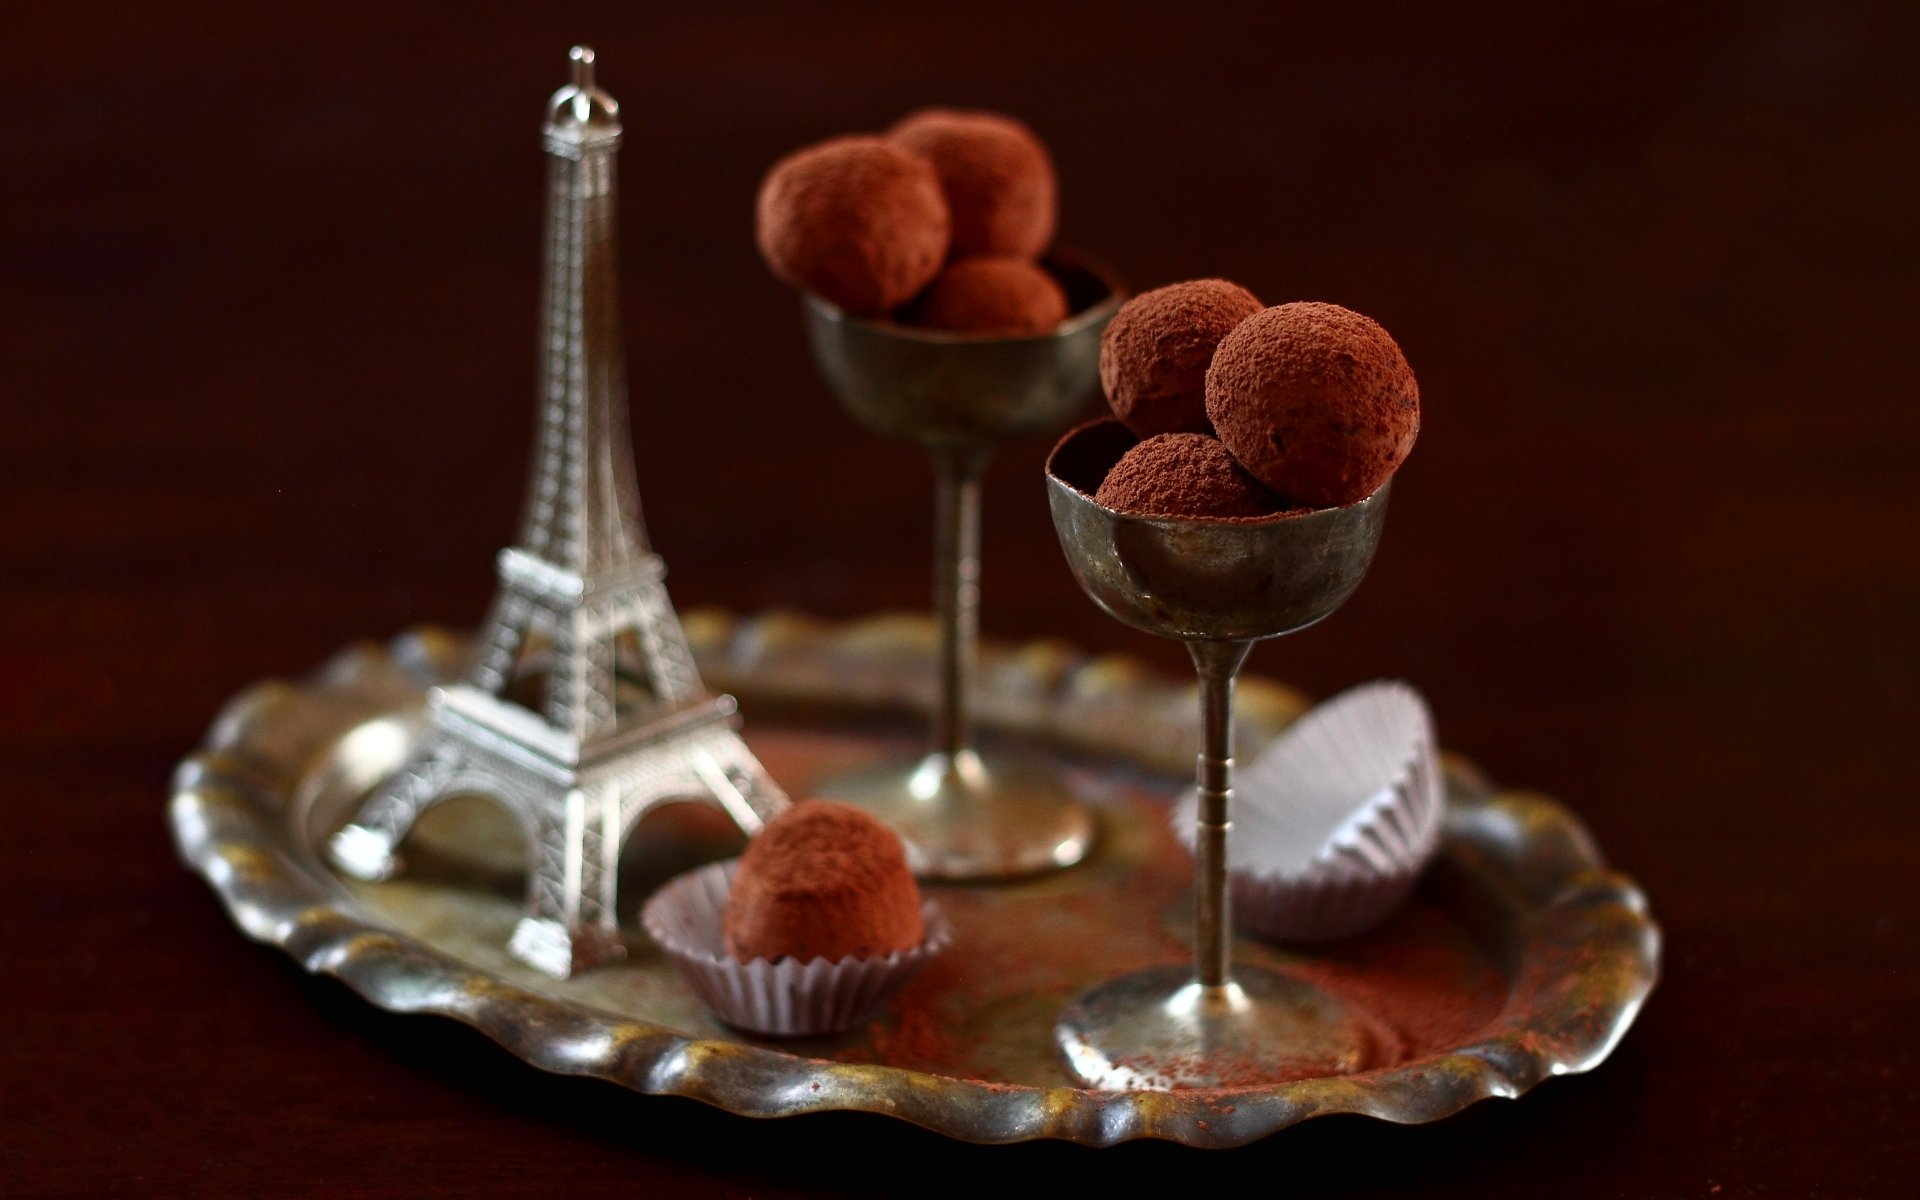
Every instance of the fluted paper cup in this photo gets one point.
(787, 998)
(1333, 823)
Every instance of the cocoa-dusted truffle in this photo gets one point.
(997, 176)
(1154, 355)
(856, 220)
(1316, 401)
(1184, 475)
(1007, 296)
(822, 880)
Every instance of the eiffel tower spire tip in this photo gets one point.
(580, 111)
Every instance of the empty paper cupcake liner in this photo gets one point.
(787, 998)
(1333, 823)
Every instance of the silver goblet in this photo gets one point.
(965, 816)
(1219, 586)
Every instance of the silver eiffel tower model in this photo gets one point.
(625, 723)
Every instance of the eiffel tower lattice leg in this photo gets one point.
(500, 642)
(570, 923)
(663, 645)
(736, 778)
(365, 848)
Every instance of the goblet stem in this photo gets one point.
(965, 817)
(956, 589)
(1218, 664)
(1171, 1027)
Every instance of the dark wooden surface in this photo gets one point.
(267, 283)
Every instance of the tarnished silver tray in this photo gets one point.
(1522, 955)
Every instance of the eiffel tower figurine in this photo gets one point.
(625, 723)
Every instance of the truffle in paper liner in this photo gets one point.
(1333, 823)
(787, 998)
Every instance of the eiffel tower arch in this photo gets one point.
(582, 709)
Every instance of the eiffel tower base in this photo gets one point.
(577, 815)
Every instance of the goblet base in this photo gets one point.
(1161, 1030)
(965, 818)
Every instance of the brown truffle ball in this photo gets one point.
(822, 880)
(1316, 401)
(1007, 296)
(855, 220)
(997, 176)
(1184, 475)
(1155, 353)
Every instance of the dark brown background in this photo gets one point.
(267, 281)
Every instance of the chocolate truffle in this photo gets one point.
(1316, 401)
(855, 220)
(822, 880)
(997, 176)
(1007, 296)
(1154, 355)
(1184, 475)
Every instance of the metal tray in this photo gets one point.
(1521, 955)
